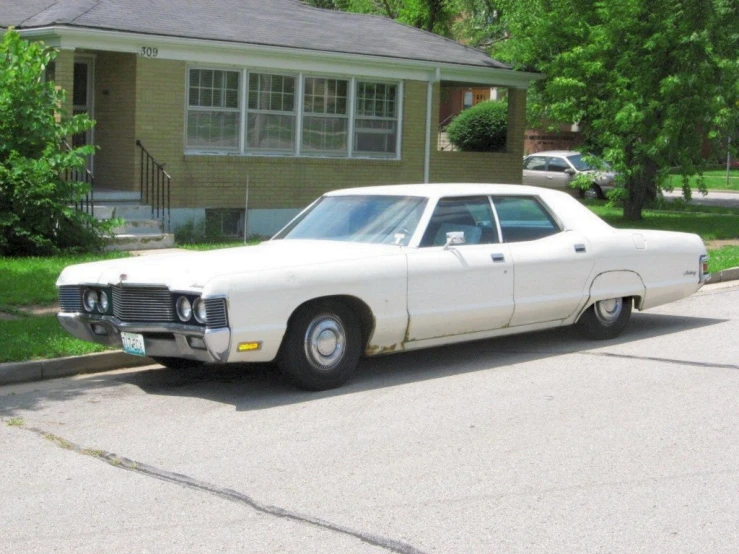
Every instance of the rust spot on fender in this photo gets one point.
(374, 350)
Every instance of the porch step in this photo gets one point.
(138, 231)
(141, 241)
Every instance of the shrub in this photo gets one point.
(37, 216)
(481, 128)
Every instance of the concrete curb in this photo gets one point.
(24, 372)
(39, 370)
(731, 274)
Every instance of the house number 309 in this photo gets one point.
(148, 52)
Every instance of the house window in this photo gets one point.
(376, 119)
(325, 116)
(270, 120)
(252, 112)
(213, 116)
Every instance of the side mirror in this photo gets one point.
(569, 171)
(453, 238)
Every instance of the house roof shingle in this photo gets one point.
(277, 23)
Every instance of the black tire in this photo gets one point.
(322, 346)
(605, 319)
(592, 193)
(177, 363)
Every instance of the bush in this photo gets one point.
(37, 216)
(481, 128)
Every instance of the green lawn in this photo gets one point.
(716, 179)
(39, 338)
(710, 223)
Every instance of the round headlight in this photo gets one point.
(184, 309)
(90, 300)
(103, 301)
(198, 309)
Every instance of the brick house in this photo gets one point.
(295, 99)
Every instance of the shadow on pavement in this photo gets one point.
(260, 386)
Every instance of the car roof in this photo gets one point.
(564, 153)
(437, 190)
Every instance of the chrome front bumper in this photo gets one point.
(169, 340)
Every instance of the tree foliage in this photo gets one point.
(37, 216)
(648, 80)
(481, 128)
(436, 16)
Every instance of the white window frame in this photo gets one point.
(299, 114)
(208, 109)
(396, 119)
(245, 149)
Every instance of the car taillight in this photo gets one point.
(703, 266)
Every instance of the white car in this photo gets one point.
(377, 270)
(558, 168)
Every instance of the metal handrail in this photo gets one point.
(155, 185)
(86, 204)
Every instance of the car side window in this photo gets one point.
(535, 163)
(523, 218)
(471, 215)
(557, 165)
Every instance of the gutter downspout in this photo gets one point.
(429, 109)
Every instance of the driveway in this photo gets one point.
(726, 199)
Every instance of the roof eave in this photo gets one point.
(202, 51)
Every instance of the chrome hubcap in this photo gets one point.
(325, 342)
(607, 311)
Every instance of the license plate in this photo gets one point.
(133, 343)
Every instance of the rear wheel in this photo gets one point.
(322, 346)
(605, 319)
(177, 363)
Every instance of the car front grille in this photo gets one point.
(70, 299)
(143, 304)
(215, 309)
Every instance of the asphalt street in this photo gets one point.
(726, 199)
(539, 443)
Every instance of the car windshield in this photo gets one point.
(371, 219)
(580, 164)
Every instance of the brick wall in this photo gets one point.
(285, 182)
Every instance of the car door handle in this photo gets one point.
(580, 248)
(497, 258)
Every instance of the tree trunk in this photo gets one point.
(640, 187)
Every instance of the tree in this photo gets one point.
(648, 80)
(36, 201)
(436, 16)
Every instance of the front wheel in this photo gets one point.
(592, 193)
(605, 319)
(322, 346)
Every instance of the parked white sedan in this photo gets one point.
(376, 270)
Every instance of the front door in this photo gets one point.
(463, 288)
(82, 98)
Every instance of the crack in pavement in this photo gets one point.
(121, 462)
(623, 356)
(663, 360)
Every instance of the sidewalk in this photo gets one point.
(39, 370)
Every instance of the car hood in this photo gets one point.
(191, 269)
